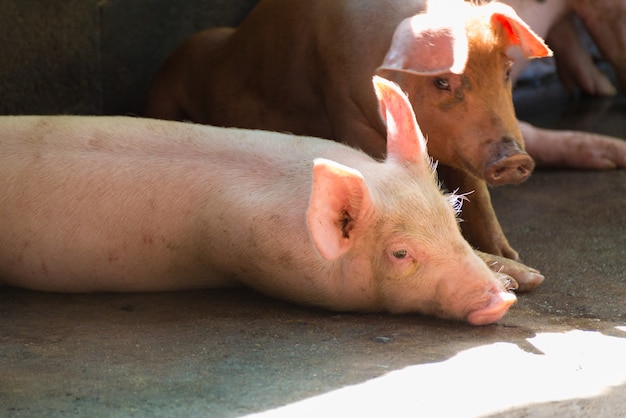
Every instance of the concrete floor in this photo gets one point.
(559, 352)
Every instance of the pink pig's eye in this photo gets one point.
(400, 254)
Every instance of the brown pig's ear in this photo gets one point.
(423, 46)
(405, 141)
(339, 197)
(518, 32)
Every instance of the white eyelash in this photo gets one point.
(456, 200)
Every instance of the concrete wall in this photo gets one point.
(94, 56)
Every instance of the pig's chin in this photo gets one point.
(497, 306)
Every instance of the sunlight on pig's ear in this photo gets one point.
(405, 141)
(518, 32)
(428, 44)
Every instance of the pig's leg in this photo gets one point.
(575, 149)
(574, 64)
(480, 225)
(481, 228)
(604, 19)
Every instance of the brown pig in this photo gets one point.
(119, 204)
(305, 67)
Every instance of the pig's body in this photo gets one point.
(120, 204)
(89, 203)
(254, 77)
(305, 67)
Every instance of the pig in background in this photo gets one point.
(602, 19)
(554, 20)
(124, 204)
(305, 67)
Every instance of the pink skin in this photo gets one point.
(124, 204)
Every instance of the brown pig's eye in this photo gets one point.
(400, 254)
(507, 74)
(442, 83)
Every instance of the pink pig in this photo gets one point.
(95, 204)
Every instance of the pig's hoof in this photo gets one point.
(527, 278)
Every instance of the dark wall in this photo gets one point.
(95, 56)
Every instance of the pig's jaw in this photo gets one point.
(496, 308)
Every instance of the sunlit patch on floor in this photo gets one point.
(482, 380)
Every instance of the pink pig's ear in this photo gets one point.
(423, 45)
(405, 141)
(338, 199)
(518, 32)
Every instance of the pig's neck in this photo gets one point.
(265, 242)
(269, 249)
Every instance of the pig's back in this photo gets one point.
(161, 202)
(86, 140)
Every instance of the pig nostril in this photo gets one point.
(524, 169)
(498, 173)
(509, 170)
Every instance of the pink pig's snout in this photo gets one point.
(497, 306)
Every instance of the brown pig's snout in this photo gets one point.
(508, 163)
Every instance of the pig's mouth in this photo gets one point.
(481, 307)
(498, 301)
(497, 306)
